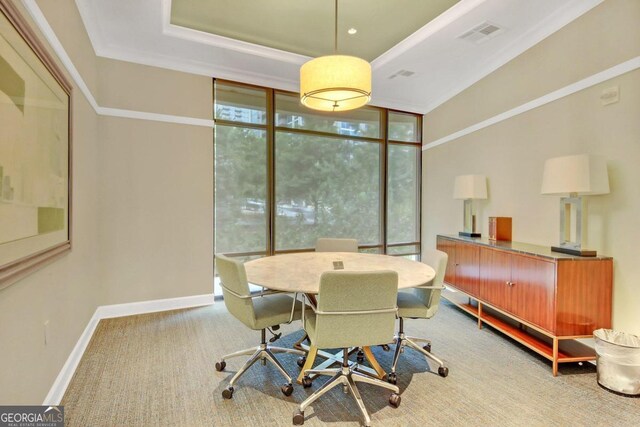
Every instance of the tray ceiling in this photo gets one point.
(306, 27)
(419, 58)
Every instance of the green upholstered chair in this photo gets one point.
(354, 309)
(420, 303)
(325, 244)
(258, 312)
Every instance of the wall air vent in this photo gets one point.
(401, 73)
(481, 33)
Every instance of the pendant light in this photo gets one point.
(335, 82)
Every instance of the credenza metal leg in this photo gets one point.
(555, 357)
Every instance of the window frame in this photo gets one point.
(417, 144)
(271, 129)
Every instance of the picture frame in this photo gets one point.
(35, 151)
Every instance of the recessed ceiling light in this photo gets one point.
(352, 31)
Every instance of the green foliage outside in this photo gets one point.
(325, 187)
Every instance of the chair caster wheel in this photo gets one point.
(306, 381)
(443, 371)
(386, 347)
(221, 365)
(287, 389)
(427, 348)
(392, 378)
(301, 361)
(298, 418)
(227, 393)
(360, 356)
(394, 400)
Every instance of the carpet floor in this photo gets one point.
(158, 369)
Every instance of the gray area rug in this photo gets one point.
(158, 369)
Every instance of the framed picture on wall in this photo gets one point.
(35, 151)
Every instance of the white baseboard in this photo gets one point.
(142, 307)
(66, 373)
(54, 397)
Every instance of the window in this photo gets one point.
(363, 122)
(403, 184)
(286, 175)
(241, 189)
(241, 210)
(326, 187)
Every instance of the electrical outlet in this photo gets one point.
(46, 332)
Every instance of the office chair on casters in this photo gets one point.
(325, 244)
(354, 309)
(262, 311)
(420, 303)
(330, 244)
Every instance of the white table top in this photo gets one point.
(300, 272)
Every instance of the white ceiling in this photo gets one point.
(140, 31)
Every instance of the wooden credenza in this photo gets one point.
(533, 295)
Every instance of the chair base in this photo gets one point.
(403, 341)
(347, 376)
(263, 352)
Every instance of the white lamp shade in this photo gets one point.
(470, 187)
(583, 174)
(335, 83)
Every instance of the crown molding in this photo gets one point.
(396, 104)
(105, 50)
(42, 23)
(563, 16)
(447, 17)
(44, 27)
(199, 68)
(609, 73)
(95, 37)
(545, 28)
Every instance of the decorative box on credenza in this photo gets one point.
(500, 228)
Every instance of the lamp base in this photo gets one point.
(576, 252)
(469, 234)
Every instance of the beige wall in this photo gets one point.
(66, 292)
(155, 185)
(142, 88)
(156, 206)
(512, 153)
(142, 211)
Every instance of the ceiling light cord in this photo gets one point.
(335, 46)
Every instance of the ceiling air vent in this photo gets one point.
(401, 73)
(481, 33)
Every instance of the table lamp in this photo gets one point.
(575, 176)
(468, 188)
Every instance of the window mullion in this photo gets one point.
(271, 172)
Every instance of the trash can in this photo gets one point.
(618, 361)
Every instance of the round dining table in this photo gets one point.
(300, 272)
